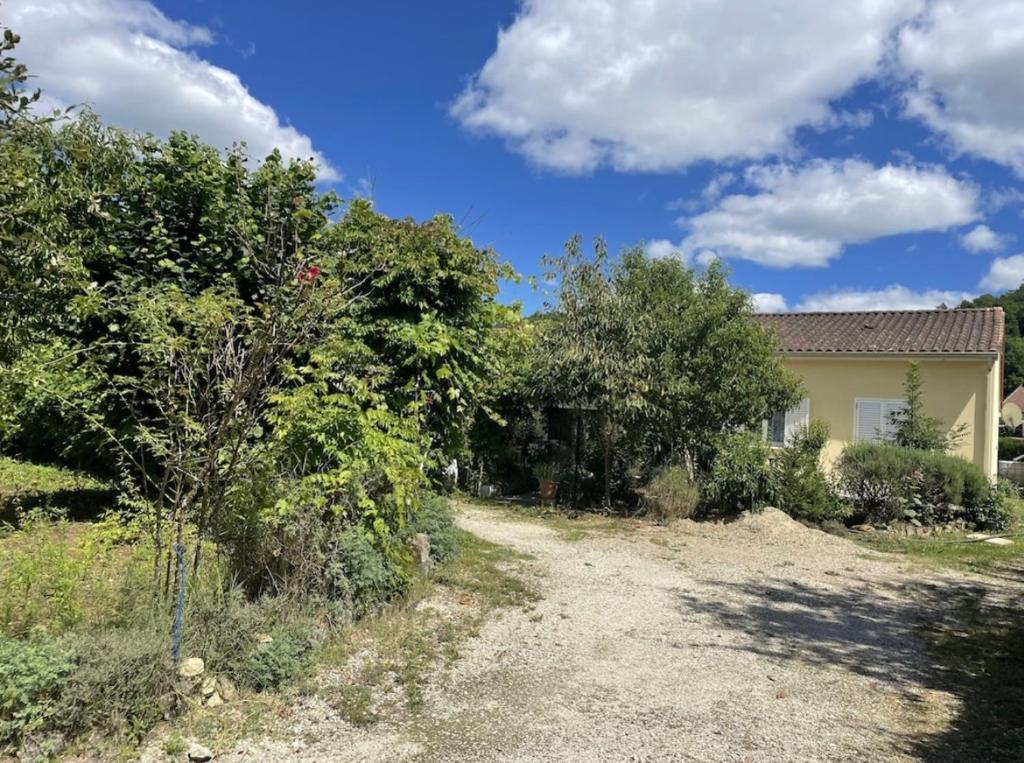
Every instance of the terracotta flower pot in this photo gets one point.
(548, 490)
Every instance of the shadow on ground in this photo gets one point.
(960, 638)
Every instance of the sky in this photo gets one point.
(867, 154)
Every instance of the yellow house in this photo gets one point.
(853, 365)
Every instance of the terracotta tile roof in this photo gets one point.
(1017, 396)
(897, 331)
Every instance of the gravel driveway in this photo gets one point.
(757, 640)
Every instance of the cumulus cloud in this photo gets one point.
(138, 69)
(661, 247)
(804, 215)
(660, 84)
(965, 59)
(766, 302)
(1004, 274)
(981, 238)
(894, 297)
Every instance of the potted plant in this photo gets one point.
(547, 475)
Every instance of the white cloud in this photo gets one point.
(966, 60)
(981, 238)
(894, 297)
(659, 84)
(765, 302)
(661, 247)
(804, 215)
(135, 66)
(1004, 274)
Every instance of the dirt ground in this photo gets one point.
(756, 640)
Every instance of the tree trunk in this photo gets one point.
(607, 464)
(575, 458)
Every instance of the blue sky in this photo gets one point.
(865, 155)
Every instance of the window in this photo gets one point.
(872, 418)
(779, 429)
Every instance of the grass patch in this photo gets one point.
(25, 486)
(381, 666)
(954, 550)
(983, 654)
(21, 477)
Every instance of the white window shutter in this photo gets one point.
(867, 420)
(798, 417)
(890, 407)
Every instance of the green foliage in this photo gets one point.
(360, 575)
(590, 355)
(740, 477)
(25, 487)
(436, 518)
(32, 674)
(888, 483)
(802, 489)
(713, 368)
(57, 576)
(1013, 356)
(122, 682)
(664, 360)
(547, 471)
(209, 321)
(671, 494)
(1010, 448)
(915, 430)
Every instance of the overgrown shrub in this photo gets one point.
(436, 518)
(361, 575)
(121, 684)
(259, 644)
(802, 489)
(996, 512)
(888, 483)
(740, 477)
(671, 494)
(32, 673)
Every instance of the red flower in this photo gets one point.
(309, 274)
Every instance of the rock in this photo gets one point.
(998, 541)
(209, 686)
(191, 667)
(215, 700)
(976, 536)
(199, 754)
(264, 638)
(227, 688)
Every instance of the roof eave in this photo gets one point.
(849, 354)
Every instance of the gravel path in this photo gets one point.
(757, 640)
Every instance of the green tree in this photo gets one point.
(712, 369)
(1013, 305)
(913, 429)
(590, 355)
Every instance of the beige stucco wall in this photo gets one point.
(955, 390)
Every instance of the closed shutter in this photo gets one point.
(867, 420)
(798, 418)
(872, 419)
(890, 407)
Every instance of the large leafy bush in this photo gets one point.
(436, 518)
(740, 477)
(888, 483)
